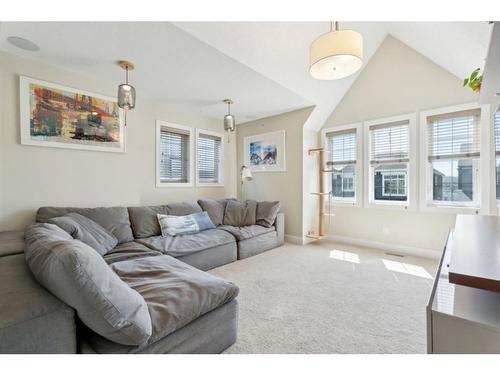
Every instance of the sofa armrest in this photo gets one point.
(31, 319)
(279, 223)
(11, 242)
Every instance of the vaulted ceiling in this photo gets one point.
(263, 66)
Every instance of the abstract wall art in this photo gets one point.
(266, 152)
(57, 116)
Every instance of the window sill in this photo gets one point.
(173, 184)
(209, 184)
(453, 209)
(391, 205)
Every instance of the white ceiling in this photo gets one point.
(262, 65)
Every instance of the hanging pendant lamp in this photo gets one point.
(336, 54)
(126, 92)
(229, 120)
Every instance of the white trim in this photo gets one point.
(159, 125)
(393, 248)
(222, 136)
(481, 204)
(24, 107)
(412, 178)
(358, 201)
(294, 239)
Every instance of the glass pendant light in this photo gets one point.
(336, 54)
(126, 92)
(229, 120)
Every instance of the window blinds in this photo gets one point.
(174, 155)
(208, 150)
(342, 147)
(497, 132)
(454, 135)
(389, 142)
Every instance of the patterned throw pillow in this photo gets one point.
(189, 224)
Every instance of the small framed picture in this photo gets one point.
(266, 152)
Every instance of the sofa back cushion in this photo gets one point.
(144, 220)
(114, 219)
(240, 214)
(80, 277)
(183, 208)
(86, 230)
(215, 209)
(266, 213)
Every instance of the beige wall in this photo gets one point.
(397, 80)
(283, 186)
(31, 176)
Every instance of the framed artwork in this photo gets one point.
(57, 116)
(266, 152)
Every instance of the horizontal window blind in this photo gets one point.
(389, 142)
(209, 158)
(497, 132)
(342, 147)
(454, 135)
(174, 155)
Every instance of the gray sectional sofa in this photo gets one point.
(188, 310)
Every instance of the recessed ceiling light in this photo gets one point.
(22, 43)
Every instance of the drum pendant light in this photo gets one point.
(336, 54)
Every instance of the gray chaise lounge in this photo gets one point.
(32, 320)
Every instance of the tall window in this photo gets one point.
(342, 160)
(497, 151)
(389, 153)
(453, 142)
(173, 154)
(209, 151)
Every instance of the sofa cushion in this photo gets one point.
(114, 219)
(215, 209)
(11, 242)
(244, 233)
(187, 244)
(189, 224)
(129, 250)
(86, 230)
(267, 212)
(183, 208)
(144, 221)
(80, 277)
(175, 293)
(240, 214)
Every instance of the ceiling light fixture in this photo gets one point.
(22, 43)
(229, 120)
(126, 92)
(336, 54)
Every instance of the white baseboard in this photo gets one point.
(393, 248)
(294, 239)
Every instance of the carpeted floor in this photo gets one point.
(330, 298)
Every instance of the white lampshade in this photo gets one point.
(336, 55)
(246, 174)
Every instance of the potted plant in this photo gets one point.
(474, 80)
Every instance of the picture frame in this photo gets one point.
(53, 115)
(266, 152)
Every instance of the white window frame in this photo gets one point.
(190, 130)
(394, 174)
(220, 182)
(358, 182)
(493, 156)
(412, 177)
(482, 177)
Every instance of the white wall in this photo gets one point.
(285, 187)
(31, 176)
(397, 80)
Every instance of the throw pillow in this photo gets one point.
(189, 224)
(240, 214)
(267, 212)
(86, 230)
(215, 209)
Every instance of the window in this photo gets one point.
(496, 129)
(389, 158)
(173, 159)
(341, 160)
(209, 154)
(453, 155)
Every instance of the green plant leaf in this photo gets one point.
(466, 81)
(474, 74)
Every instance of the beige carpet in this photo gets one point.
(330, 298)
